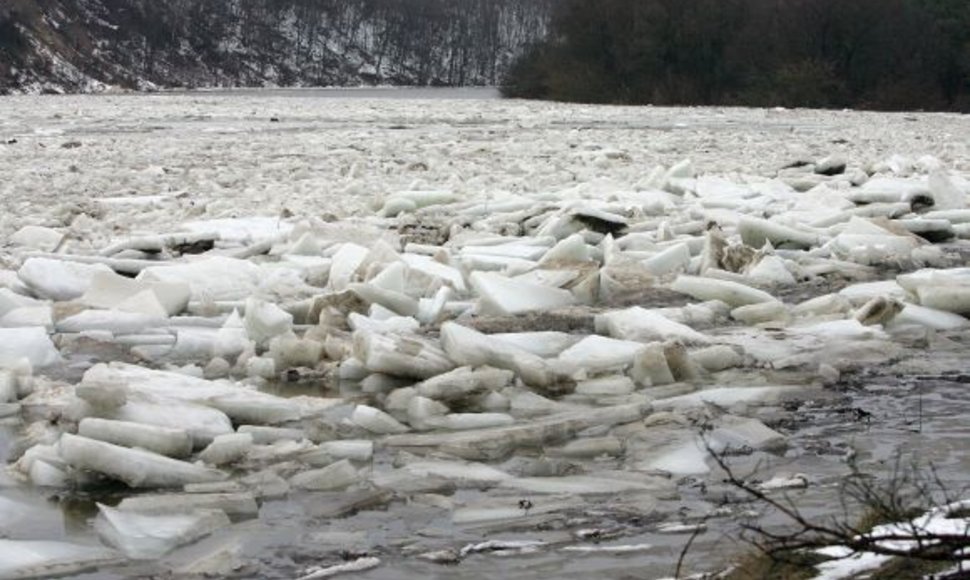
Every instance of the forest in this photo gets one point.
(870, 54)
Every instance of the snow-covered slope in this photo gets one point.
(90, 45)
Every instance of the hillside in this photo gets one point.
(90, 45)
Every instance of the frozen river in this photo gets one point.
(442, 175)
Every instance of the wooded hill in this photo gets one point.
(877, 54)
(78, 45)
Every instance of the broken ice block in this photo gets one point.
(376, 421)
(464, 382)
(335, 476)
(162, 440)
(227, 448)
(470, 347)
(642, 325)
(504, 296)
(32, 344)
(731, 293)
(135, 467)
(147, 537)
(40, 559)
(57, 279)
(400, 355)
(265, 320)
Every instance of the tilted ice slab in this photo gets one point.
(37, 559)
(597, 353)
(240, 402)
(202, 423)
(249, 229)
(502, 296)
(135, 467)
(109, 290)
(642, 325)
(32, 344)
(466, 346)
(731, 293)
(59, 280)
(147, 537)
(210, 278)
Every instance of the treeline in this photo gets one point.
(874, 54)
(271, 42)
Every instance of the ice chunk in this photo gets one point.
(398, 324)
(498, 442)
(240, 504)
(356, 565)
(822, 305)
(879, 310)
(267, 435)
(227, 448)
(463, 472)
(947, 297)
(345, 264)
(32, 344)
(37, 237)
(289, 351)
(650, 366)
(238, 401)
(763, 312)
(596, 354)
(23, 317)
(465, 421)
(430, 267)
(265, 320)
(683, 458)
(110, 290)
(504, 296)
(470, 347)
(738, 433)
(771, 270)
(639, 324)
(40, 559)
(398, 355)
(463, 382)
(135, 467)
(755, 232)
(727, 396)
(147, 537)
(421, 410)
(674, 259)
(162, 440)
(335, 476)
(731, 293)
(545, 344)
(57, 279)
(605, 387)
(946, 195)
(376, 421)
(113, 321)
(589, 448)
(930, 318)
(202, 423)
(354, 449)
(397, 302)
(231, 340)
(213, 278)
(571, 249)
(718, 358)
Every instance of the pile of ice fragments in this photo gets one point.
(449, 333)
